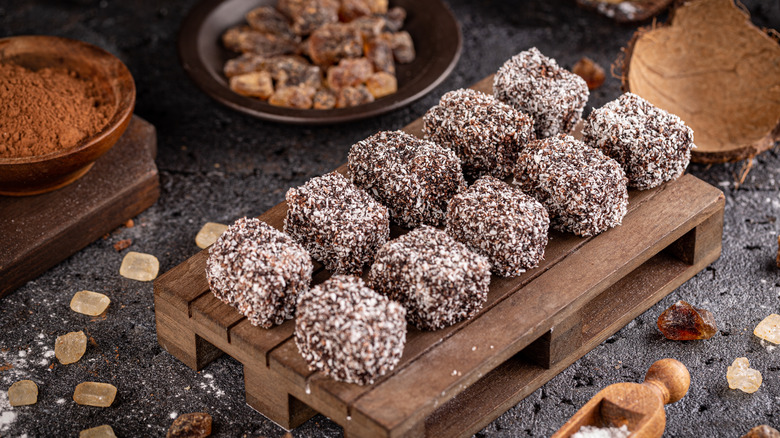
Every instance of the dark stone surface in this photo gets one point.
(218, 165)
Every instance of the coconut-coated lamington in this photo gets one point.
(500, 222)
(539, 87)
(259, 270)
(437, 279)
(486, 134)
(414, 178)
(348, 331)
(652, 145)
(341, 225)
(583, 190)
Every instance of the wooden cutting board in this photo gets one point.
(454, 381)
(37, 232)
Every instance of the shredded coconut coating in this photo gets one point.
(437, 279)
(584, 190)
(348, 331)
(652, 145)
(500, 222)
(414, 178)
(537, 86)
(258, 270)
(485, 133)
(341, 225)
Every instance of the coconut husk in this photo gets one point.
(626, 11)
(714, 69)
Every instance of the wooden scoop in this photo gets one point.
(638, 406)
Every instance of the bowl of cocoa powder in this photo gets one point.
(63, 104)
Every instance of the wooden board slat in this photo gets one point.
(37, 232)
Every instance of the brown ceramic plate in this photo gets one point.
(433, 27)
(22, 176)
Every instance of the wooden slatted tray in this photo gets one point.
(452, 382)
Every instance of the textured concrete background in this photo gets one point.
(218, 165)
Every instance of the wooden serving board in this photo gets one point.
(454, 381)
(37, 232)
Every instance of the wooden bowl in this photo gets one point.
(43, 173)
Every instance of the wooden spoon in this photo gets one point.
(638, 406)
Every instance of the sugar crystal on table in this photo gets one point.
(139, 266)
(762, 431)
(339, 223)
(258, 270)
(652, 145)
(23, 393)
(741, 376)
(209, 234)
(537, 86)
(89, 303)
(192, 425)
(437, 279)
(94, 394)
(69, 348)
(583, 190)
(348, 331)
(104, 431)
(592, 73)
(769, 329)
(486, 134)
(414, 178)
(499, 221)
(683, 322)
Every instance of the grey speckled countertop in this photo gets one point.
(218, 165)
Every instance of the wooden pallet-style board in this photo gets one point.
(37, 232)
(452, 382)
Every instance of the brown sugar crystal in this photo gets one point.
(47, 110)
(762, 431)
(192, 425)
(683, 322)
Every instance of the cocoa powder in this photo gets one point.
(47, 110)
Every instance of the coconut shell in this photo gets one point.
(626, 11)
(717, 71)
